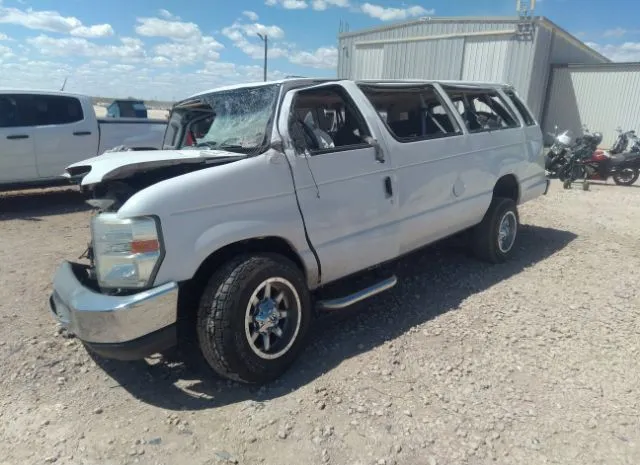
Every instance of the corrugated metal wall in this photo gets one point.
(602, 97)
(485, 59)
(438, 59)
(519, 60)
(498, 57)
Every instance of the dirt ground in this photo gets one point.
(531, 362)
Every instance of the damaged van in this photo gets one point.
(265, 194)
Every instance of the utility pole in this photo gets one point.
(265, 39)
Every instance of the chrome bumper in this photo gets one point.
(103, 320)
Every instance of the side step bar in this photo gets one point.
(346, 301)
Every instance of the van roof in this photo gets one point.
(303, 81)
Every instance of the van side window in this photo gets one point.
(326, 120)
(411, 114)
(482, 110)
(524, 111)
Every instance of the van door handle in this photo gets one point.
(18, 136)
(82, 133)
(388, 187)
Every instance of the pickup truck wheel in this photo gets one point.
(253, 318)
(495, 236)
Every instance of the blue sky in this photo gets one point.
(168, 49)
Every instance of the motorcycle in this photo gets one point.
(624, 167)
(622, 141)
(566, 149)
(558, 153)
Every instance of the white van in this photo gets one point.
(285, 187)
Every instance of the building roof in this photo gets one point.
(542, 20)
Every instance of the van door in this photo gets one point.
(64, 135)
(17, 150)
(429, 156)
(345, 188)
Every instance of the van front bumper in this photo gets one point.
(127, 327)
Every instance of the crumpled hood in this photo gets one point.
(119, 165)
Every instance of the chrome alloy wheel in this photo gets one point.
(507, 232)
(272, 319)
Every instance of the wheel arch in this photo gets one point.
(507, 186)
(190, 291)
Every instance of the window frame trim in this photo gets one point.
(488, 90)
(347, 99)
(60, 97)
(420, 88)
(513, 100)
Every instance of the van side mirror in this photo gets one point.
(378, 149)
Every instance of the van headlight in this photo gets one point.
(127, 252)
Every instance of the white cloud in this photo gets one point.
(97, 30)
(4, 37)
(324, 57)
(129, 48)
(252, 15)
(619, 32)
(273, 32)
(288, 4)
(5, 52)
(628, 51)
(102, 78)
(394, 14)
(321, 5)
(204, 49)
(188, 45)
(244, 37)
(240, 34)
(52, 21)
(177, 30)
(166, 14)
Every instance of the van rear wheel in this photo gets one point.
(494, 238)
(253, 318)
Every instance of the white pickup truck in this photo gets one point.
(43, 132)
(288, 186)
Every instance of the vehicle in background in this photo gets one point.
(127, 108)
(43, 132)
(287, 187)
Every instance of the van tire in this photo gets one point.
(224, 335)
(486, 234)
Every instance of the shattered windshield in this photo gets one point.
(234, 120)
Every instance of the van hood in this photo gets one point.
(120, 165)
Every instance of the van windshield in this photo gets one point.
(234, 120)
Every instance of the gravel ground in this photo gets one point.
(531, 362)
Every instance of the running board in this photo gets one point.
(346, 301)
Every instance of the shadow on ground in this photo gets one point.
(32, 205)
(431, 282)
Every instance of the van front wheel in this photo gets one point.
(253, 318)
(494, 238)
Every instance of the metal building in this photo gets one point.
(516, 50)
(602, 97)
